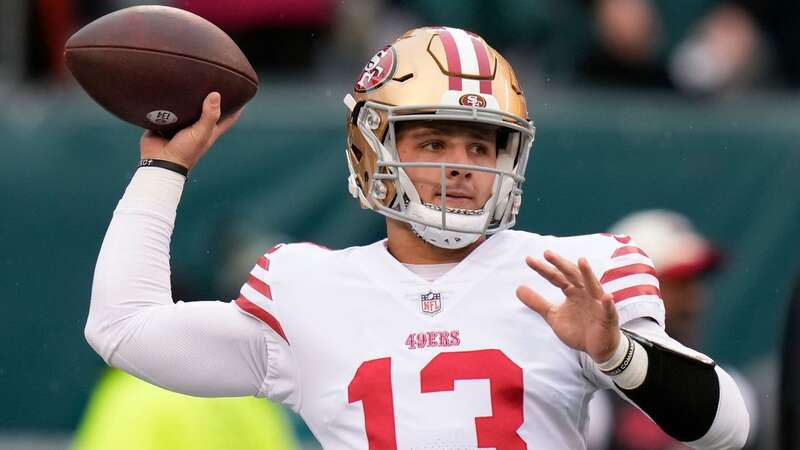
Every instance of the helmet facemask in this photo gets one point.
(391, 192)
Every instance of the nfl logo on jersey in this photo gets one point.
(431, 302)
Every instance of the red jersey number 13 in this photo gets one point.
(372, 385)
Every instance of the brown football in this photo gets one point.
(153, 66)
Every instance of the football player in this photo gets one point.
(455, 331)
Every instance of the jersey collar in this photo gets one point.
(405, 286)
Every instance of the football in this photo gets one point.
(153, 66)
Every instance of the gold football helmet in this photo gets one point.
(436, 73)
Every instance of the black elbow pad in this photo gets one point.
(680, 392)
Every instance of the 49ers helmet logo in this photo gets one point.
(378, 70)
(472, 100)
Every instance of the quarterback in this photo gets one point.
(455, 332)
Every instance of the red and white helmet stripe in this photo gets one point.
(466, 54)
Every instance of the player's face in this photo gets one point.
(455, 143)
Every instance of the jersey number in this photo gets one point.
(372, 385)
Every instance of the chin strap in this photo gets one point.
(450, 240)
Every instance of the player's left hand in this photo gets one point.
(587, 320)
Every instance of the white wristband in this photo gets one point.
(617, 357)
(628, 364)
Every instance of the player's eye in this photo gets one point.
(479, 149)
(433, 145)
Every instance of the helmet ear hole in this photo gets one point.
(356, 152)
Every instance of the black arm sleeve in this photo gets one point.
(679, 393)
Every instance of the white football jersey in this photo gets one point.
(374, 357)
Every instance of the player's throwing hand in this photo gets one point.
(191, 143)
(587, 320)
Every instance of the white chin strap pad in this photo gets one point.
(445, 238)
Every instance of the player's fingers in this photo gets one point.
(570, 270)
(548, 273)
(202, 131)
(211, 113)
(589, 280)
(534, 301)
(225, 124)
(609, 309)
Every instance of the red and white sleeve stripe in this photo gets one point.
(630, 274)
(255, 297)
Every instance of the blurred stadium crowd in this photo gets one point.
(697, 47)
(714, 56)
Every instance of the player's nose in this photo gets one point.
(459, 155)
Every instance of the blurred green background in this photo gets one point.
(690, 106)
(731, 166)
